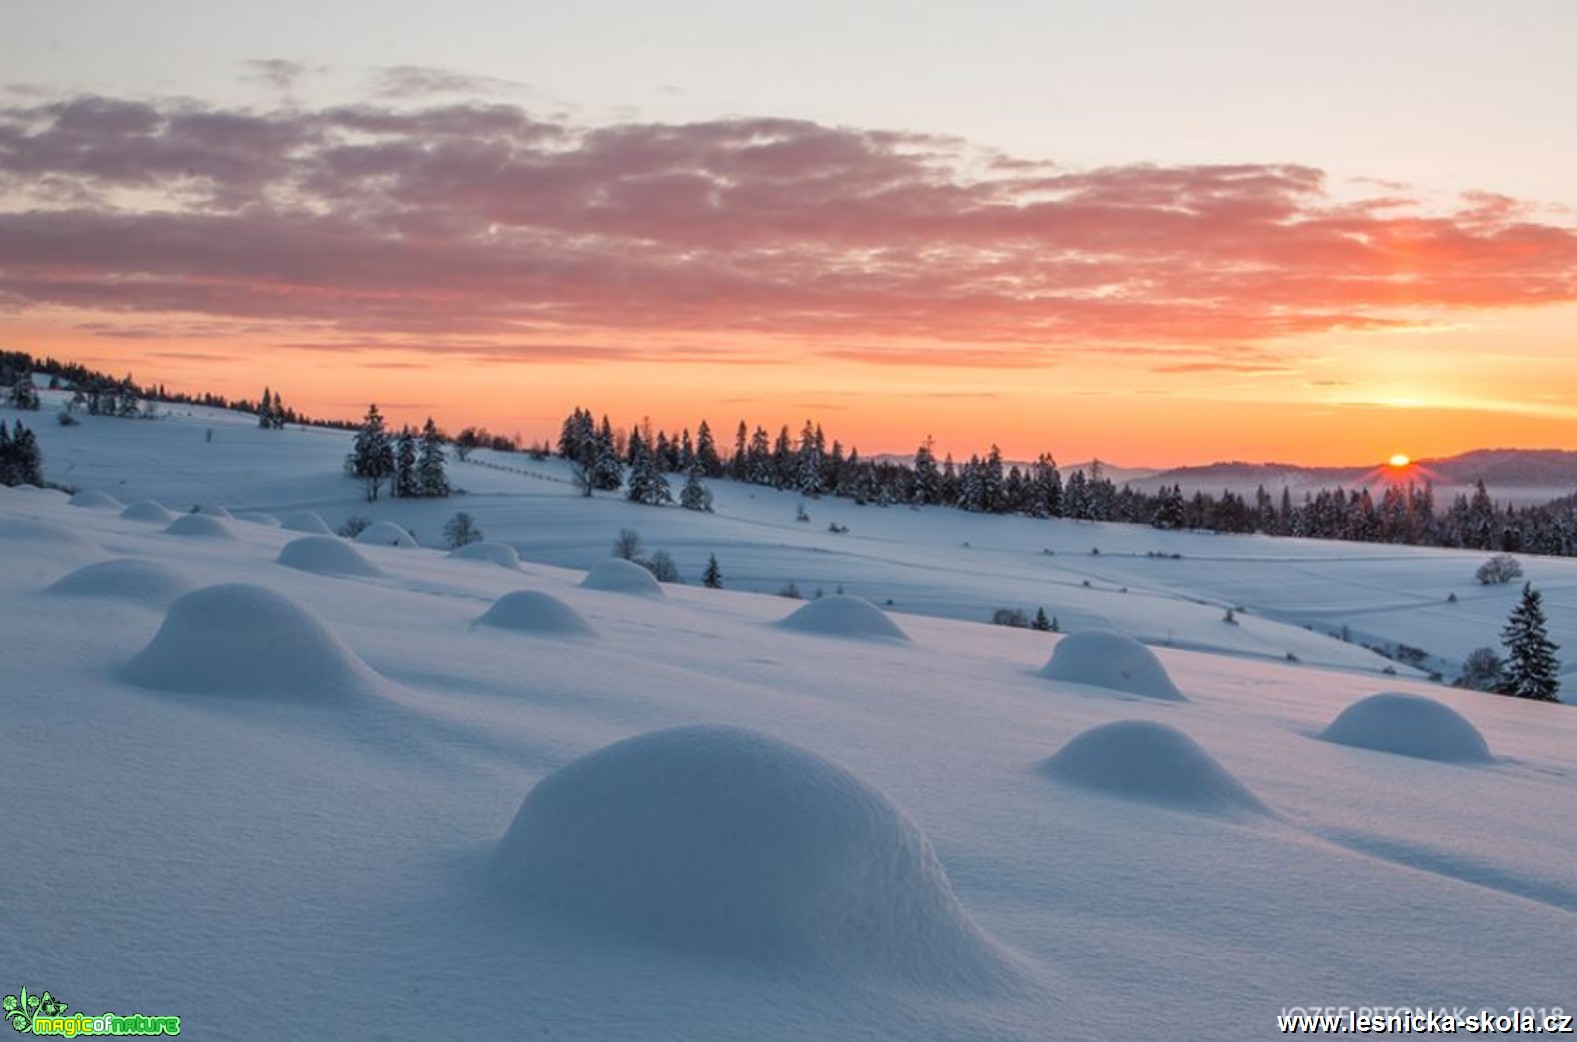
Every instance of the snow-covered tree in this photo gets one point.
(927, 478)
(461, 530)
(712, 578)
(405, 486)
(695, 495)
(23, 395)
(1532, 671)
(372, 455)
(1482, 670)
(647, 483)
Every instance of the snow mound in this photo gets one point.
(216, 511)
(307, 521)
(244, 640)
(326, 555)
(1100, 658)
(48, 537)
(1409, 725)
(148, 510)
(95, 500)
(527, 611)
(617, 575)
(200, 525)
(719, 841)
(126, 579)
(1153, 763)
(501, 554)
(258, 517)
(386, 533)
(844, 616)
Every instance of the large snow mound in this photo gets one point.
(501, 554)
(258, 517)
(724, 842)
(1154, 763)
(386, 533)
(528, 611)
(48, 537)
(307, 521)
(95, 500)
(239, 639)
(148, 510)
(201, 525)
(214, 510)
(844, 616)
(1409, 725)
(326, 555)
(620, 576)
(1101, 658)
(127, 579)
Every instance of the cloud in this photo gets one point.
(483, 229)
(419, 81)
(278, 73)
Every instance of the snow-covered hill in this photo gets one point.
(287, 786)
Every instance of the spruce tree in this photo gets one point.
(23, 395)
(695, 495)
(1532, 670)
(712, 578)
(1041, 622)
(372, 455)
(9, 471)
(431, 480)
(647, 484)
(405, 486)
(265, 410)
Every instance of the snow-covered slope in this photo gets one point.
(295, 802)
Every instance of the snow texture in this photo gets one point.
(1152, 763)
(616, 575)
(501, 554)
(531, 611)
(1409, 725)
(307, 521)
(127, 579)
(237, 639)
(386, 533)
(203, 526)
(720, 841)
(326, 555)
(214, 510)
(258, 517)
(148, 510)
(93, 499)
(841, 615)
(1100, 658)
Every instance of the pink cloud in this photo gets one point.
(484, 221)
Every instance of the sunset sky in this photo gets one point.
(1153, 232)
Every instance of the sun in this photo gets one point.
(1400, 461)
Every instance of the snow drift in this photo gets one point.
(220, 512)
(501, 554)
(386, 533)
(126, 579)
(95, 500)
(844, 616)
(528, 611)
(307, 521)
(148, 510)
(724, 842)
(258, 517)
(1410, 725)
(1100, 658)
(326, 555)
(202, 526)
(1152, 763)
(244, 640)
(617, 575)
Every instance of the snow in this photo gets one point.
(307, 521)
(501, 554)
(386, 533)
(841, 615)
(1409, 725)
(615, 575)
(202, 526)
(1155, 763)
(728, 843)
(289, 825)
(93, 499)
(1111, 660)
(148, 510)
(326, 555)
(532, 611)
(258, 517)
(237, 639)
(151, 583)
(214, 510)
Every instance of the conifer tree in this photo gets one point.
(1532, 670)
(372, 455)
(23, 395)
(927, 478)
(1041, 622)
(694, 495)
(712, 578)
(405, 486)
(706, 452)
(265, 410)
(430, 477)
(647, 484)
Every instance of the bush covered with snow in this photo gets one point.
(127, 579)
(530, 611)
(844, 615)
(201, 526)
(326, 555)
(148, 510)
(1100, 658)
(1153, 763)
(1409, 725)
(386, 533)
(617, 575)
